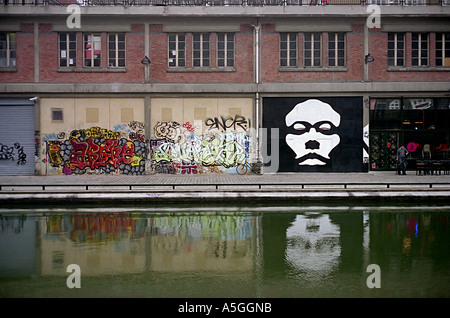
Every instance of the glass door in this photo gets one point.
(383, 150)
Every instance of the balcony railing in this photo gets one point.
(225, 2)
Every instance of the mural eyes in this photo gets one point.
(325, 126)
(299, 126)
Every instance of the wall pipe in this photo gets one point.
(257, 28)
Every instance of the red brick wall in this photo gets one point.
(25, 58)
(48, 43)
(48, 59)
(244, 63)
(271, 59)
(379, 68)
(243, 59)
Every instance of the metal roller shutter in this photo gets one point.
(17, 144)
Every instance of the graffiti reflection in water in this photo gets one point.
(306, 253)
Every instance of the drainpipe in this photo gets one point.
(257, 29)
(366, 52)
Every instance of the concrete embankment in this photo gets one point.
(225, 189)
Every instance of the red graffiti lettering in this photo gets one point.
(89, 154)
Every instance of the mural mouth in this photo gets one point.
(312, 159)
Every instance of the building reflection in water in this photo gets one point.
(112, 243)
(276, 253)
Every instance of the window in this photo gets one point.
(385, 113)
(92, 50)
(200, 49)
(419, 123)
(312, 49)
(67, 49)
(177, 43)
(116, 50)
(57, 115)
(396, 49)
(336, 49)
(419, 49)
(288, 49)
(7, 49)
(442, 49)
(225, 49)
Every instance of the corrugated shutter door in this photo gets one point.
(17, 144)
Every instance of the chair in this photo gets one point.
(426, 151)
(427, 168)
(436, 166)
(446, 167)
(420, 167)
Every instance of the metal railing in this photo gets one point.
(234, 186)
(224, 2)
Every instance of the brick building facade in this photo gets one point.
(293, 86)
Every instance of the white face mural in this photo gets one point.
(313, 139)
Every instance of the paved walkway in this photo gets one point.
(280, 187)
(280, 178)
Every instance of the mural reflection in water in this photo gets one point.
(303, 252)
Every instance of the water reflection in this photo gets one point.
(119, 243)
(253, 253)
(313, 244)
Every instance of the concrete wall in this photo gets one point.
(107, 135)
(96, 135)
(201, 135)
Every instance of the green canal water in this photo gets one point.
(222, 252)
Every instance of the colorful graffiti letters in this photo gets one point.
(97, 150)
(178, 149)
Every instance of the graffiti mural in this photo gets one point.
(98, 150)
(174, 148)
(179, 149)
(14, 153)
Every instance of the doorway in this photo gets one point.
(383, 150)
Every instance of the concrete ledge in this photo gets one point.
(227, 11)
(348, 196)
(225, 88)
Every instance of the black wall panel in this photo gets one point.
(347, 153)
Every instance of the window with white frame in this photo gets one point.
(67, 49)
(7, 49)
(116, 50)
(177, 49)
(92, 45)
(312, 49)
(288, 49)
(396, 49)
(200, 49)
(225, 49)
(419, 49)
(443, 49)
(336, 49)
